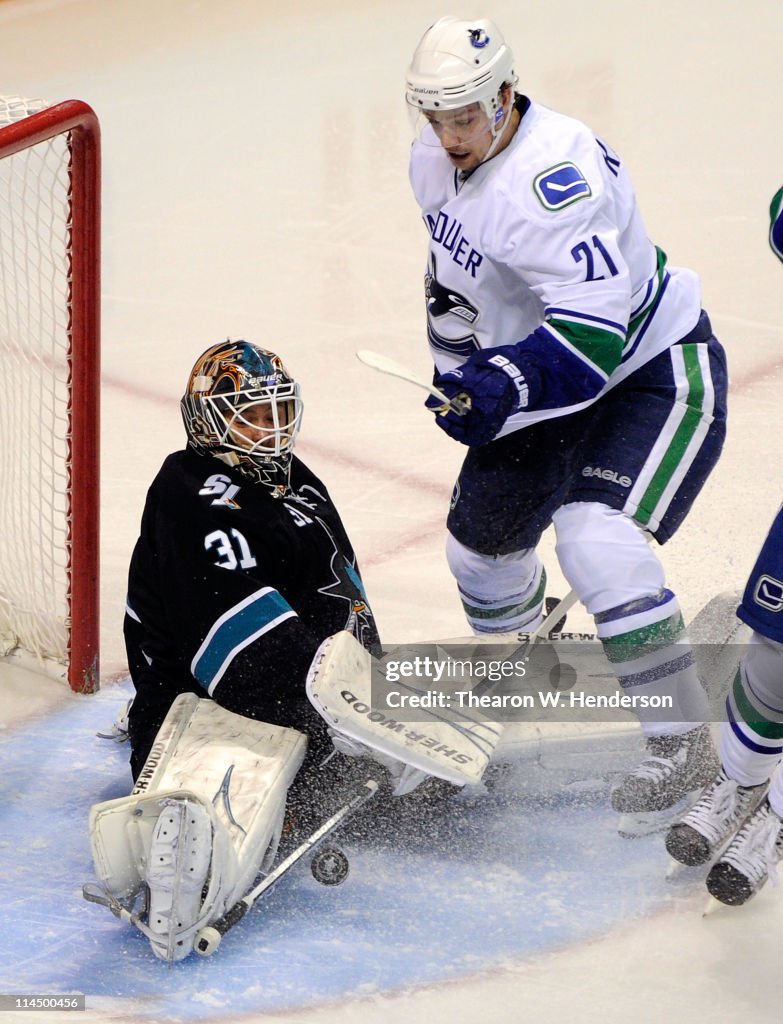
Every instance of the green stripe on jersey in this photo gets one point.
(603, 349)
(751, 716)
(776, 205)
(683, 435)
(641, 316)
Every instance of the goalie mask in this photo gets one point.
(242, 406)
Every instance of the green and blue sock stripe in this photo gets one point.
(657, 636)
(654, 669)
(638, 614)
(640, 639)
(236, 629)
(511, 612)
(756, 725)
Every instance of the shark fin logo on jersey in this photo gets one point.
(560, 186)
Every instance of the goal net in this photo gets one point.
(49, 412)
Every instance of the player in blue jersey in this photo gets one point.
(243, 566)
(741, 806)
(595, 389)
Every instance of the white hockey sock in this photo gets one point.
(499, 593)
(649, 650)
(751, 741)
(605, 557)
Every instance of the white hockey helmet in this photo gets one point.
(458, 63)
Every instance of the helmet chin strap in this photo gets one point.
(498, 133)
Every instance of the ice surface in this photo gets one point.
(255, 184)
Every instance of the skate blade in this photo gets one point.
(712, 906)
(648, 823)
(677, 870)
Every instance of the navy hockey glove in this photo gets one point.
(496, 388)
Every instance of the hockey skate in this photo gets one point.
(713, 820)
(750, 859)
(119, 727)
(666, 783)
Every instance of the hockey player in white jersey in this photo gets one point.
(596, 389)
(742, 808)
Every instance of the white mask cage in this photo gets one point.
(262, 423)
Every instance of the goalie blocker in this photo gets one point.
(456, 748)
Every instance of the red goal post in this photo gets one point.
(49, 413)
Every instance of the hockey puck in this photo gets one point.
(330, 866)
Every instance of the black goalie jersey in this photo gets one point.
(231, 591)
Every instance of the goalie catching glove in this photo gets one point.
(454, 745)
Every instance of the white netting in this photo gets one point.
(34, 411)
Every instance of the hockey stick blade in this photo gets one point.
(460, 404)
(208, 939)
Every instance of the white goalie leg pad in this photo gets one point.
(178, 867)
(455, 746)
(222, 781)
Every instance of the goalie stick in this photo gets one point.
(208, 939)
(460, 404)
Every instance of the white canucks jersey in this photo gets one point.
(547, 236)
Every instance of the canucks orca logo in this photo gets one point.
(441, 300)
(478, 38)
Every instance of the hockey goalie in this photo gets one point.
(179, 857)
(242, 578)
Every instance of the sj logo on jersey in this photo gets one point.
(560, 186)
